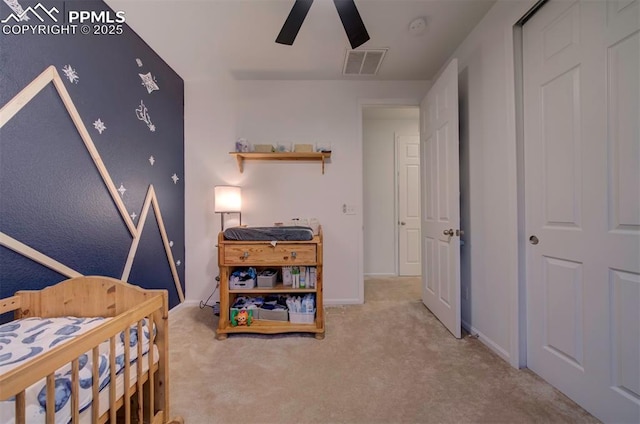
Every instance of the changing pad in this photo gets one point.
(269, 233)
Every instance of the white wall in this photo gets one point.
(488, 181)
(220, 110)
(209, 134)
(379, 191)
(215, 115)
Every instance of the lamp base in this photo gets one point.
(222, 219)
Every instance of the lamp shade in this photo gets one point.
(227, 198)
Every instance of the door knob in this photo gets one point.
(534, 240)
(448, 232)
(403, 223)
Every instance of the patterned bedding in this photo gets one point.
(23, 340)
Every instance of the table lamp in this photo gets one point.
(228, 199)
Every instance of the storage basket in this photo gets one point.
(237, 284)
(267, 278)
(302, 317)
(274, 314)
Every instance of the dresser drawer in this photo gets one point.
(258, 254)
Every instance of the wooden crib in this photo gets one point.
(145, 399)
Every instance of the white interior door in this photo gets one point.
(441, 199)
(582, 195)
(408, 166)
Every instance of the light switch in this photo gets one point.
(348, 209)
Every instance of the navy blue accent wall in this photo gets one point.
(52, 197)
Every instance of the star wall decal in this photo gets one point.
(133, 215)
(152, 160)
(71, 74)
(149, 82)
(121, 189)
(175, 178)
(99, 125)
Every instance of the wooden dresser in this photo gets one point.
(260, 255)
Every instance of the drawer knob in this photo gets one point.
(293, 255)
(245, 255)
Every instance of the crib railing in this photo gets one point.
(16, 381)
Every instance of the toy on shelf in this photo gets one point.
(242, 317)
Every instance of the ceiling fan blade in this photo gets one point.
(294, 21)
(352, 22)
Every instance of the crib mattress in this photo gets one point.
(23, 340)
(291, 233)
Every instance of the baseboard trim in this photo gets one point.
(337, 302)
(184, 304)
(327, 302)
(176, 308)
(487, 342)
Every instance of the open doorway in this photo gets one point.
(390, 135)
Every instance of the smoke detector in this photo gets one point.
(418, 26)
(363, 62)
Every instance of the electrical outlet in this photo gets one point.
(348, 209)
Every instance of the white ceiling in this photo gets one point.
(201, 37)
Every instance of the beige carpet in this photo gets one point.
(387, 361)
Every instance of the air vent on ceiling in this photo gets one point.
(363, 62)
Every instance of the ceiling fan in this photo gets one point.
(351, 21)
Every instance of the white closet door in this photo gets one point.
(582, 177)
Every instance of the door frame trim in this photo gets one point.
(362, 103)
(521, 299)
(396, 201)
(516, 127)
